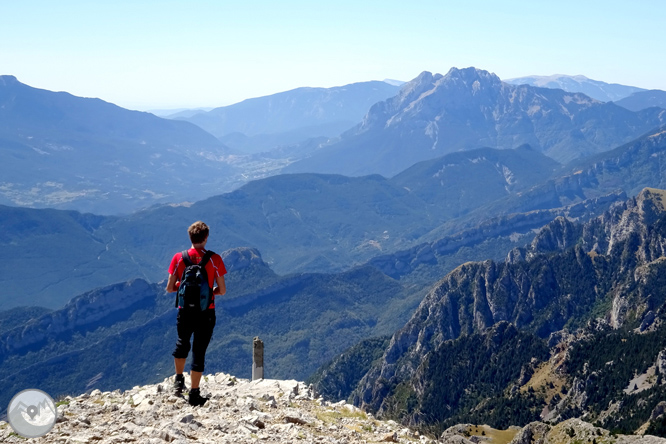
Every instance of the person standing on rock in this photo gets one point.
(197, 275)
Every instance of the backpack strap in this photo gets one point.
(204, 261)
(186, 258)
(206, 257)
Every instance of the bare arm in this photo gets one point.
(221, 286)
(171, 284)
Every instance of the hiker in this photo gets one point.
(197, 275)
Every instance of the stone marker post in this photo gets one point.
(257, 359)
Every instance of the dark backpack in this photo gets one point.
(194, 292)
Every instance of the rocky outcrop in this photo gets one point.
(577, 430)
(238, 411)
(532, 433)
(569, 431)
(240, 258)
(659, 410)
(572, 404)
(661, 362)
(534, 288)
(381, 112)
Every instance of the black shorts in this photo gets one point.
(200, 325)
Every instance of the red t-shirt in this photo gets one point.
(214, 268)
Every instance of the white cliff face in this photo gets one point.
(239, 411)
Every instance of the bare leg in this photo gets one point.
(196, 378)
(180, 365)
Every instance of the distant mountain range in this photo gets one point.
(629, 97)
(62, 151)
(644, 99)
(289, 117)
(178, 112)
(91, 156)
(470, 108)
(602, 91)
(301, 222)
(462, 181)
(310, 222)
(629, 168)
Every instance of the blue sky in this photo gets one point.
(172, 54)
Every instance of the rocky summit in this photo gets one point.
(238, 411)
(266, 410)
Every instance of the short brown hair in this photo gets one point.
(198, 232)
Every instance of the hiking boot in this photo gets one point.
(196, 399)
(179, 385)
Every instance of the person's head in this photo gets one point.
(198, 232)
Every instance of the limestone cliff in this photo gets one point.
(609, 267)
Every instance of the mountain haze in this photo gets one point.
(626, 169)
(470, 108)
(293, 116)
(305, 317)
(644, 99)
(303, 222)
(468, 179)
(63, 151)
(602, 91)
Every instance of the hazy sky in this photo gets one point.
(170, 54)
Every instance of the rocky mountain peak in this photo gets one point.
(239, 258)
(421, 83)
(470, 75)
(634, 219)
(429, 98)
(471, 108)
(556, 236)
(651, 203)
(409, 93)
